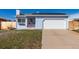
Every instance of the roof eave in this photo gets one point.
(38, 15)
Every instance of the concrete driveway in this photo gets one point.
(60, 39)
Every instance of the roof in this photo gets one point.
(48, 14)
(3, 19)
(43, 14)
(74, 16)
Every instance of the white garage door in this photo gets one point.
(54, 24)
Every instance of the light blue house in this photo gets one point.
(41, 20)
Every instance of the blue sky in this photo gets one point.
(11, 13)
(8, 13)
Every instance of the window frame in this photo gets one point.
(22, 21)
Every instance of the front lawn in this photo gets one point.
(15, 39)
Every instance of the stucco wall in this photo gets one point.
(6, 25)
(21, 26)
(2, 20)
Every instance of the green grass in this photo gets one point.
(20, 39)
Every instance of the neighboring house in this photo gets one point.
(2, 20)
(8, 25)
(74, 21)
(74, 24)
(41, 20)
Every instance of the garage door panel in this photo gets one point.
(55, 24)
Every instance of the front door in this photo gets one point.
(31, 22)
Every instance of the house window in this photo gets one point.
(21, 21)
